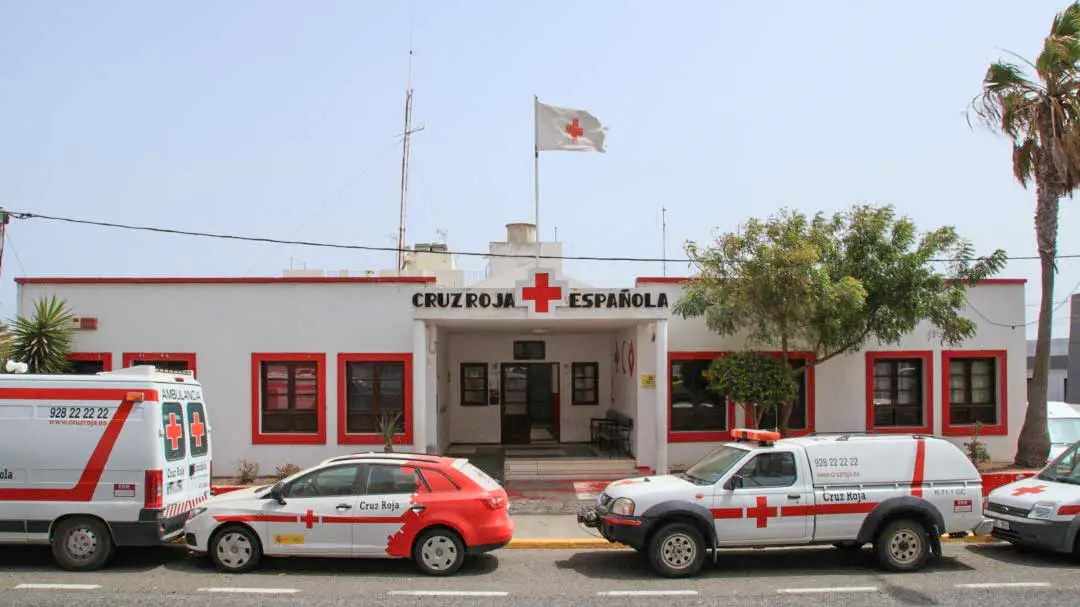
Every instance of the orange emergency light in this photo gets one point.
(762, 436)
(134, 397)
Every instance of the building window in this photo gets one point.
(899, 391)
(696, 410)
(474, 384)
(372, 387)
(529, 350)
(974, 392)
(586, 382)
(166, 361)
(89, 363)
(800, 407)
(288, 399)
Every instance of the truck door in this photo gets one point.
(185, 432)
(770, 502)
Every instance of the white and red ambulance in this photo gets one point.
(900, 493)
(92, 462)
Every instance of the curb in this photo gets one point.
(602, 544)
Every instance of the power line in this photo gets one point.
(330, 245)
(1016, 325)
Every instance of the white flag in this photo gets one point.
(559, 128)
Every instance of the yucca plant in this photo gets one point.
(43, 341)
(387, 427)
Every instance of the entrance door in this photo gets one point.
(541, 406)
(515, 404)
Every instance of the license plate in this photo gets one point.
(1000, 524)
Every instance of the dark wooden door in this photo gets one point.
(515, 404)
(541, 404)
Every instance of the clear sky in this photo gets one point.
(280, 119)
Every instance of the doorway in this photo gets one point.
(528, 402)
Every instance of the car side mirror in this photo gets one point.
(276, 493)
(735, 482)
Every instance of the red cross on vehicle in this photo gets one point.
(173, 432)
(1029, 490)
(543, 293)
(198, 429)
(762, 512)
(309, 519)
(574, 130)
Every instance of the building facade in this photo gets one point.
(299, 368)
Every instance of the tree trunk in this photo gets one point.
(1033, 447)
(785, 411)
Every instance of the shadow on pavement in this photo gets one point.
(33, 559)
(625, 565)
(474, 566)
(1030, 557)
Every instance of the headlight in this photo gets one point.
(196, 512)
(1042, 510)
(623, 506)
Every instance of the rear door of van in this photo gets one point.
(185, 443)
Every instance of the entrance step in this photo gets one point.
(569, 468)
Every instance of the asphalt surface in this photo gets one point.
(982, 575)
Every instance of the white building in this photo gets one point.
(298, 367)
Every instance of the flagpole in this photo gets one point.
(536, 177)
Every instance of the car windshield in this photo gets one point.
(1064, 431)
(715, 465)
(1064, 469)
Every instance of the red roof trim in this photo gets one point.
(681, 279)
(227, 280)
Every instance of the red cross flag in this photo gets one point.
(560, 128)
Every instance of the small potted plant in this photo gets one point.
(386, 426)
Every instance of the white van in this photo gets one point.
(1063, 423)
(91, 462)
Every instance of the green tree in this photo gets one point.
(755, 380)
(829, 285)
(1040, 112)
(43, 341)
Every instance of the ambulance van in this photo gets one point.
(92, 462)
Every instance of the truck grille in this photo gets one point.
(1010, 510)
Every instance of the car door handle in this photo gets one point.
(343, 506)
(794, 497)
(417, 508)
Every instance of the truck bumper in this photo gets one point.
(627, 530)
(1047, 535)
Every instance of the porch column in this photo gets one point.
(661, 355)
(419, 385)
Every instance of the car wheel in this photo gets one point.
(439, 552)
(902, 545)
(235, 549)
(677, 550)
(81, 544)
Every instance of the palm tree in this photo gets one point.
(1037, 106)
(43, 342)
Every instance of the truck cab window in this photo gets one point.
(775, 469)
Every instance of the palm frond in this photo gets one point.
(44, 340)
(1024, 161)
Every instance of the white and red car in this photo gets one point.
(433, 509)
(842, 489)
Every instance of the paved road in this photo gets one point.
(969, 575)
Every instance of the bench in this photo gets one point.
(611, 433)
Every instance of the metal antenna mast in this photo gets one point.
(406, 134)
(663, 236)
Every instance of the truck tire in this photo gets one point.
(677, 550)
(81, 544)
(235, 549)
(902, 545)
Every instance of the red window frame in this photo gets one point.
(150, 357)
(105, 358)
(349, 438)
(710, 436)
(999, 429)
(258, 437)
(811, 393)
(927, 358)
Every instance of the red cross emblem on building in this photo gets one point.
(309, 519)
(762, 512)
(1029, 490)
(574, 130)
(542, 290)
(173, 432)
(198, 429)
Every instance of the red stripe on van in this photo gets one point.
(83, 491)
(920, 467)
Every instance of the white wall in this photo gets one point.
(841, 382)
(224, 323)
(482, 424)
